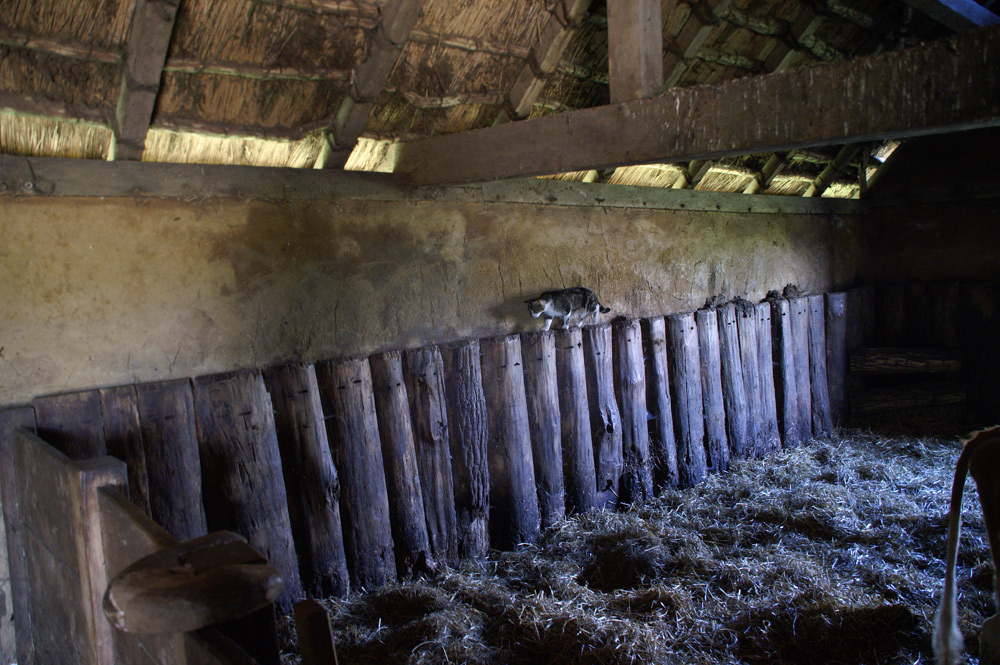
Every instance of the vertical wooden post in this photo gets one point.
(12, 418)
(716, 443)
(424, 373)
(685, 389)
(243, 487)
(345, 390)
(630, 386)
(822, 422)
(770, 439)
(786, 392)
(918, 312)
(605, 419)
(311, 481)
(542, 392)
(170, 443)
(403, 479)
(513, 500)
(662, 446)
(798, 310)
(836, 357)
(123, 436)
(468, 434)
(945, 300)
(72, 423)
(577, 442)
(733, 388)
(746, 324)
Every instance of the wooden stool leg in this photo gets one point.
(312, 624)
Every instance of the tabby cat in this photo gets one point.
(564, 304)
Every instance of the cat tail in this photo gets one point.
(604, 310)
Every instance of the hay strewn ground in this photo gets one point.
(830, 553)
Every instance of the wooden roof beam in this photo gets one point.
(945, 86)
(544, 58)
(958, 15)
(705, 15)
(635, 49)
(384, 48)
(771, 168)
(832, 170)
(149, 39)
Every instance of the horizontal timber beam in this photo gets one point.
(959, 15)
(946, 86)
(35, 177)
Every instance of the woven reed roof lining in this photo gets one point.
(258, 81)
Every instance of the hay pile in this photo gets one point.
(830, 553)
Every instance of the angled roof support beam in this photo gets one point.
(152, 27)
(945, 86)
(771, 168)
(959, 15)
(543, 59)
(384, 48)
(635, 49)
(832, 170)
(692, 37)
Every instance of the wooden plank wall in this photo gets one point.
(353, 473)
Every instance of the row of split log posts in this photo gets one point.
(352, 473)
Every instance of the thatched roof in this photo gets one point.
(282, 82)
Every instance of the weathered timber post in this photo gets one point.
(980, 321)
(685, 389)
(402, 475)
(716, 443)
(72, 423)
(636, 483)
(605, 419)
(918, 312)
(822, 422)
(241, 469)
(945, 300)
(424, 372)
(733, 388)
(770, 438)
(345, 390)
(786, 392)
(798, 310)
(836, 357)
(467, 436)
(311, 481)
(574, 417)
(513, 500)
(746, 324)
(662, 446)
(11, 419)
(123, 437)
(170, 443)
(542, 392)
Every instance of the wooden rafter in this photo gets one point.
(564, 18)
(959, 15)
(832, 170)
(771, 168)
(684, 48)
(152, 26)
(945, 86)
(384, 48)
(635, 49)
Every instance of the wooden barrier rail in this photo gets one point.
(365, 470)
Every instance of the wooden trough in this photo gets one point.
(349, 474)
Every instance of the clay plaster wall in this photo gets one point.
(100, 292)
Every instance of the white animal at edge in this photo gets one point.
(980, 458)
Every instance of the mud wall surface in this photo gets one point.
(97, 292)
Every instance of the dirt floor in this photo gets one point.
(829, 553)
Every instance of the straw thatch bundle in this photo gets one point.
(829, 553)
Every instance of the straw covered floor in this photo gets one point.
(829, 553)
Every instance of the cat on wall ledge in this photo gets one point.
(564, 304)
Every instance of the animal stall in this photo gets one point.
(701, 528)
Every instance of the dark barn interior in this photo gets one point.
(263, 270)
